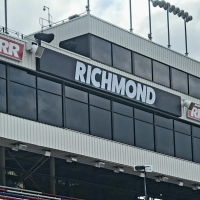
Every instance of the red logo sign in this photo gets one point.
(194, 113)
(11, 48)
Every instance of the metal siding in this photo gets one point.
(46, 136)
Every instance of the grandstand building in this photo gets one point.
(98, 101)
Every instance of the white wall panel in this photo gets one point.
(45, 136)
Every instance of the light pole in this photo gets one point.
(150, 33)
(49, 16)
(6, 26)
(131, 27)
(88, 7)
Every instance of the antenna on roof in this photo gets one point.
(88, 7)
(131, 27)
(6, 27)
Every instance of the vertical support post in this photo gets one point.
(52, 175)
(88, 7)
(186, 48)
(150, 33)
(6, 26)
(169, 45)
(131, 27)
(145, 185)
(2, 166)
(49, 18)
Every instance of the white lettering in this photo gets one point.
(128, 92)
(13, 49)
(93, 77)
(118, 88)
(107, 81)
(3, 46)
(141, 93)
(88, 74)
(151, 96)
(80, 71)
(194, 112)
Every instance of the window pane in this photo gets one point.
(22, 77)
(144, 116)
(122, 58)
(101, 50)
(196, 131)
(123, 109)
(161, 74)
(99, 102)
(142, 66)
(123, 129)
(164, 141)
(49, 86)
(196, 150)
(76, 94)
(164, 122)
(77, 116)
(144, 135)
(3, 95)
(100, 122)
(179, 81)
(182, 127)
(22, 101)
(194, 83)
(183, 146)
(2, 70)
(49, 108)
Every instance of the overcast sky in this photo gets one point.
(23, 16)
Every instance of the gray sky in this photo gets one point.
(23, 16)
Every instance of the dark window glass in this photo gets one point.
(2, 70)
(142, 66)
(144, 116)
(179, 81)
(77, 116)
(161, 74)
(49, 86)
(2, 95)
(182, 127)
(99, 102)
(196, 150)
(100, 122)
(76, 94)
(183, 146)
(194, 84)
(101, 50)
(22, 101)
(164, 141)
(164, 122)
(121, 58)
(22, 77)
(123, 129)
(49, 108)
(123, 109)
(196, 131)
(144, 135)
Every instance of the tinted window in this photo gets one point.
(123, 109)
(77, 116)
(49, 86)
(196, 131)
(194, 84)
(164, 141)
(2, 95)
(123, 129)
(100, 122)
(142, 66)
(99, 102)
(49, 108)
(22, 77)
(182, 127)
(164, 122)
(22, 101)
(161, 74)
(101, 50)
(121, 58)
(2, 70)
(179, 81)
(144, 135)
(196, 150)
(142, 115)
(183, 146)
(76, 94)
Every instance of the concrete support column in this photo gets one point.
(52, 176)
(2, 166)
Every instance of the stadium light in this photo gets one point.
(176, 11)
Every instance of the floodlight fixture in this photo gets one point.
(71, 159)
(161, 178)
(161, 4)
(196, 187)
(166, 6)
(172, 8)
(188, 104)
(118, 169)
(176, 11)
(47, 153)
(99, 164)
(155, 3)
(189, 19)
(180, 183)
(180, 13)
(19, 146)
